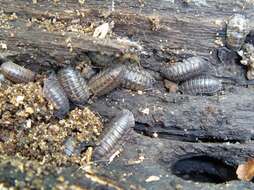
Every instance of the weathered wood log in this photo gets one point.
(201, 162)
(19, 173)
(209, 136)
(188, 118)
(163, 29)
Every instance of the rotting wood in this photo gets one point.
(216, 127)
(184, 27)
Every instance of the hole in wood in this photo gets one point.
(250, 37)
(204, 169)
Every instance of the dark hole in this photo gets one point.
(250, 37)
(204, 169)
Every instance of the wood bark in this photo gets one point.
(217, 130)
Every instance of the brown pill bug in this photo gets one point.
(135, 78)
(187, 69)
(120, 126)
(201, 85)
(105, 81)
(53, 92)
(17, 73)
(74, 85)
(237, 30)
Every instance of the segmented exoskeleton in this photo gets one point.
(201, 85)
(53, 92)
(135, 78)
(17, 73)
(105, 81)
(74, 85)
(237, 30)
(120, 126)
(187, 69)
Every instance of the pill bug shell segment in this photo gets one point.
(74, 85)
(186, 69)
(54, 93)
(17, 73)
(105, 81)
(135, 78)
(120, 126)
(201, 85)
(237, 30)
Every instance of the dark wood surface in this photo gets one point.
(215, 131)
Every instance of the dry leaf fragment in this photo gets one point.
(101, 31)
(145, 111)
(245, 171)
(152, 178)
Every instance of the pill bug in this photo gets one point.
(135, 78)
(201, 85)
(101, 60)
(74, 85)
(17, 73)
(120, 126)
(70, 146)
(237, 30)
(53, 92)
(105, 81)
(187, 69)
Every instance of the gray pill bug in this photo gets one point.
(237, 30)
(101, 60)
(17, 73)
(119, 127)
(135, 78)
(70, 145)
(105, 81)
(186, 69)
(53, 92)
(74, 85)
(201, 85)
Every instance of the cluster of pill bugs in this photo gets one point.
(68, 87)
(190, 74)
